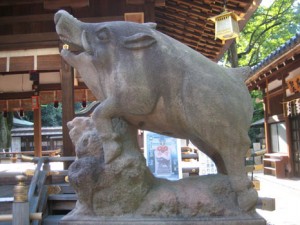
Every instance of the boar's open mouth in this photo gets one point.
(75, 48)
(71, 32)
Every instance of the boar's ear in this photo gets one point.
(151, 25)
(138, 41)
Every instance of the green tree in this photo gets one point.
(51, 116)
(265, 31)
(6, 124)
(258, 113)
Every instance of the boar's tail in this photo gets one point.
(240, 73)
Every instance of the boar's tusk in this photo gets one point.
(84, 42)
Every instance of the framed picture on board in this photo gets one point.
(163, 155)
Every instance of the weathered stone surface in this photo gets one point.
(251, 220)
(125, 186)
(115, 188)
(202, 196)
(156, 83)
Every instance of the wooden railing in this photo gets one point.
(29, 206)
(23, 154)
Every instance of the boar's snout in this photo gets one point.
(57, 16)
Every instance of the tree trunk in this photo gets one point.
(232, 55)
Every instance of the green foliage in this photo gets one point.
(267, 29)
(258, 113)
(6, 124)
(51, 116)
(257, 100)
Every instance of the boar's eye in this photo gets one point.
(103, 34)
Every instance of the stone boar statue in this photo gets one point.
(159, 84)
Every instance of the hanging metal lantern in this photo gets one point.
(226, 25)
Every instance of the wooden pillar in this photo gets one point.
(288, 132)
(37, 132)
(266, 124)
(67, 87)
(149, 11)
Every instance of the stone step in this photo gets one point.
(66, 188)
(63, 197)
(62, 202)
(52, 219)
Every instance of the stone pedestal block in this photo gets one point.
(255, 220)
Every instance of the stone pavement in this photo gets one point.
(287, 199)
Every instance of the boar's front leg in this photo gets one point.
(102, 116)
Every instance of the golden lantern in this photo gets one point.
(226, 25)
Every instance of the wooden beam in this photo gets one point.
(288, 132)
(19, 2)
(37, 132)
(25, 71)
(48, 62)
(49, 17)
(233, 5)
(67, 86)
(149, 11)
(28, 45)
(289, 66)
(281, 62)
(27, 18)
(57, 4)
(266, 125)
(186, 37)
(171, 16)
(189, 12)
(3, 62)
(16, 95)
(44, 39)
(27, 41)
(203, 50)
(27, 38)
(157, 3)
(21, 63)
(202, 7)
(186, 30)
(16, 104)
(101, 19)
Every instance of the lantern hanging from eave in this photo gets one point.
(226, 25)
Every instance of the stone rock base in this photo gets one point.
(254, 220)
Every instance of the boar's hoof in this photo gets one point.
(247, 199)
(112, 150)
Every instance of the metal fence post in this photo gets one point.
(21, 204)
